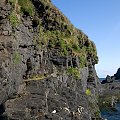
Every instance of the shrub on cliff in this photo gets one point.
(75, 72)
(14, 19)
(16, 58)
(88, 92)
(26, 7)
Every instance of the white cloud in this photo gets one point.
(103, 73)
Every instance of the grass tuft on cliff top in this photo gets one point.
(26, 7)
(56, 31)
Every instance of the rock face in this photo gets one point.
(117, 75)
(46, 65)
(114, 78)
(108, 79)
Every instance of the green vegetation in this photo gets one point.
(12, 2)
(69, 45)
(16, 58)
(14, 19)
(63, 47)
(37, 77)
(83, 61)
(58, 33)
(94, 106)
(42, 37)
(26, 7)
(108, 101)
(83, 57)
(91, 50)
(75, 72)
(88, 92)
(97, 114)
(52, 39)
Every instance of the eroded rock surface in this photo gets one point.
(46, 65)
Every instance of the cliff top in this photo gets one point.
(55, 29)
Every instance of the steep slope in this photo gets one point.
(46, 64)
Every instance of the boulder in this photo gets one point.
(117, 75)
(108, 79)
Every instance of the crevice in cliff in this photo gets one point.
(27, 46)
(39, 6)
(2, 110)
(23, 46)
(35, 22)
(1, 17)
(29, 68)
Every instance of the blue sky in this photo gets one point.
(100, 20)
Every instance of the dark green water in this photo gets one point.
(101, 79)
(110, 115)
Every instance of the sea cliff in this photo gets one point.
(47, 66)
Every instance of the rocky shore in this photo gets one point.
(111, 91)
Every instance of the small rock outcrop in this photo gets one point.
(114, 78)
(108, 79)
(117, 75)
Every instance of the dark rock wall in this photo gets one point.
(34, 81)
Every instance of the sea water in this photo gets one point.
(101, 79)
(112, 115)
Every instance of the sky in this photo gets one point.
(100, 20)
